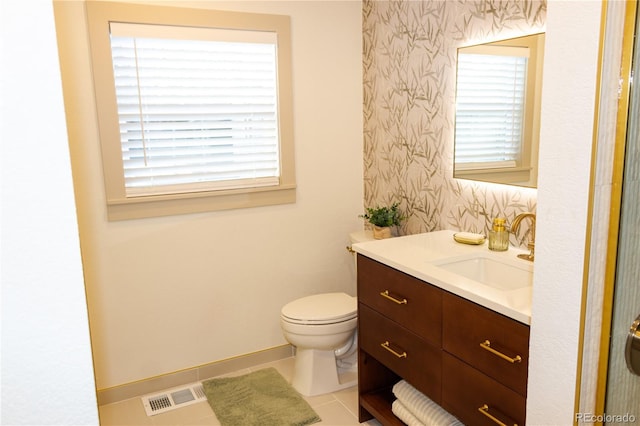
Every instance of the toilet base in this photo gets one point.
(316, 373)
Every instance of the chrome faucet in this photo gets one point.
(515, 225)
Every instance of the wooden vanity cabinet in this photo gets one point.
(411, 330)
(467, 327)
(402, 351)
(402, 298)
(485, 364)
(399, 337)
(467, 393)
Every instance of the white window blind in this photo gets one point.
(197, 108)
(490, 103)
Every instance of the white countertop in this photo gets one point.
(413, 254)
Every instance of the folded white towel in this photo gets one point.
(423, 408)
(404, 414)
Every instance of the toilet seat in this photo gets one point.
(320, 309)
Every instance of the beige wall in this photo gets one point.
(45, 334)
(566, 140)
(171, 293)
(571, 28)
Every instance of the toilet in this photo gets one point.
(322, 327)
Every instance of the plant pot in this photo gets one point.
(381, 232)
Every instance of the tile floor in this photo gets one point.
(336, 409)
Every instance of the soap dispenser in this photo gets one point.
(498, 235)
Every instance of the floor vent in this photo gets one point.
(171, 399)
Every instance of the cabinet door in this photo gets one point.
(401, 351)
(406, 300)
(466, 329)
(476, 399)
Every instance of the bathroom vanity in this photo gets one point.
(463, 341)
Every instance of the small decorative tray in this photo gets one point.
(469, 238)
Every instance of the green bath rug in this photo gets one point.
(261, 398)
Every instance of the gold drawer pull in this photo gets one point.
(387, 347)
(487, 345)
(386, 295)
(485, 410)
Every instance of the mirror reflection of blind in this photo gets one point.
(490, 102)
(197, 108)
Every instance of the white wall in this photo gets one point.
(170, 293)
(45, 334)
(568, 99)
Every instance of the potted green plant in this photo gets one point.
(382, 219)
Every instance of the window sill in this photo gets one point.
(167, 205)
(520, 176)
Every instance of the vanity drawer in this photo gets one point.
(467, 326)
(467, 393)
(401, 351)
(409, 301)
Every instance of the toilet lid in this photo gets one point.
(321, 308)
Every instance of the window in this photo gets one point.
(194, 108)
(490, 107)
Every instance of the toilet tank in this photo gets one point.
(360, 236)
(354, 238)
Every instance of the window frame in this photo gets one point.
(119, 206)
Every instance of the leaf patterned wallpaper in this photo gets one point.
(409, 53)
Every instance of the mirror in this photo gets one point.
(497, 121)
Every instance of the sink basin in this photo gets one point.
(500, 274)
